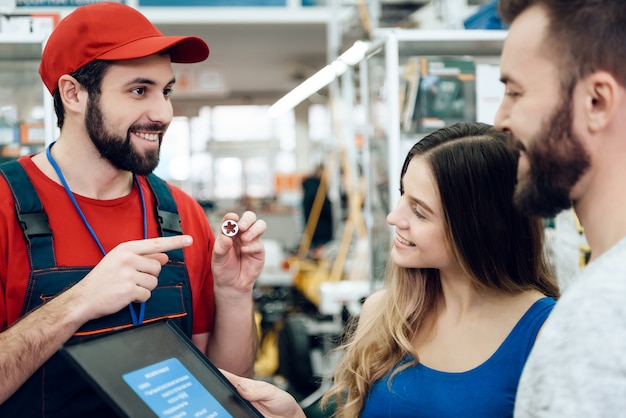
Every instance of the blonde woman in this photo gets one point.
(467, 290)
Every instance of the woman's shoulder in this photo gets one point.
(373, 304)
(376, 299)
(518, 305)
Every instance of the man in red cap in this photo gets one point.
(90, 200)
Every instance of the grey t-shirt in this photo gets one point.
(577, 367)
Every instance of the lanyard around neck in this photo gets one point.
(68, 191)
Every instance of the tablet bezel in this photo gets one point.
(125, 351)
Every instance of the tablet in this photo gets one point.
(154, 370)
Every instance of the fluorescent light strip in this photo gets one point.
(320, 79)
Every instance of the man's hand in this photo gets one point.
(236, 263)
(128, 273)
(238, 260)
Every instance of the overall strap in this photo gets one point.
(31, 216)
(166, 213)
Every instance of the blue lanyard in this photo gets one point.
(142, 307)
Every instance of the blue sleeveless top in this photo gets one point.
(483, 392)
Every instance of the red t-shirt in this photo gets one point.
(113, 221)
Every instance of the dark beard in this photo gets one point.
(556, 160)
(117, 150)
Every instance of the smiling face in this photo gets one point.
(418, 218)
(538, 111)
(127, 121)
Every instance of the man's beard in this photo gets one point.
(117, 150)
(556, 161)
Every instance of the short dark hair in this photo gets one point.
(583, 35)
(89, 76)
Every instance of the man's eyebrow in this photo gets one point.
(141, 80)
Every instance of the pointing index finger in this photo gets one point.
(161, 244)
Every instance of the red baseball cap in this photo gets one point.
(110, 31)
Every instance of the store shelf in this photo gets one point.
(385, 59)
(26, 110)
(445, 42)
(20, 47)
(380, 93)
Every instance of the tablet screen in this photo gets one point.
(154, 370)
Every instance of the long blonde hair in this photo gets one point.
(385, 339)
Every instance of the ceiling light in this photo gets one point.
(320, 79)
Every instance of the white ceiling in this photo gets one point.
(259, 62)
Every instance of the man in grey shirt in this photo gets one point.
(563, 69)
